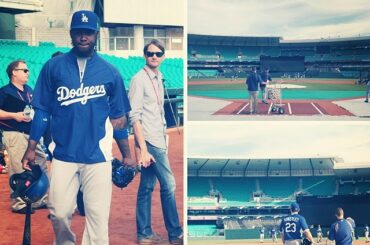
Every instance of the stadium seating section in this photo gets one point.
(235, 189)
(319, 185)
(347, 188)
(239, 189)
(252, 53)
(223, 52)
(198, 187)
(339, 57)
(202, 73)
(362, 187)
(36, 56)
(202, 230)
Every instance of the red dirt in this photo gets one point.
(303, 108)
(330, 108)
(298, 108)
(324, 81)
(122, 226)
(232, 108)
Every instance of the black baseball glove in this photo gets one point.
(122, 174)
(305, 241)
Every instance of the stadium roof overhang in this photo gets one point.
(347, 41)
(20, 7)
(260, 167)
(196, 39)
(355, 170)
(260, 157)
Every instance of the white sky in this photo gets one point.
(347, 140)
(290, 19)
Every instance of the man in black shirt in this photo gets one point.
(15, 121)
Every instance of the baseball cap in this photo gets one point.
(294, 207)
(85, 19)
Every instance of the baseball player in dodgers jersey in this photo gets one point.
(341, 230)
(292, 225)
(84, 96)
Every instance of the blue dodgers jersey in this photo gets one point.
(80, 111)
(292, 226)
(341, 232)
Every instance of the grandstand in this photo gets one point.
(329, 58)
(233, 198)
(36, 56)
(35, 36)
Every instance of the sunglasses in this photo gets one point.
(24, 70)
(151, 54)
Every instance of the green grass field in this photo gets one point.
(312, 91)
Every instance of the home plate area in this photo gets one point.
(292, 107)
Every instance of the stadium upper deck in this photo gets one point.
(232, 56)
(203, 167)
(238, 179)
(230, 48)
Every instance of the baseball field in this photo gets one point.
(306, 96)
(307, 88)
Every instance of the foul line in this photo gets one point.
(269, 110)
(317, 109)
(290, 109)
(242, 108)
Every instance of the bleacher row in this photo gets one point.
(346, 57)
(202, 230)
(242, 189)
(202, 73)
(252, 53)
(231, 53)
(250, 223)
(36, 56)
(260, 167)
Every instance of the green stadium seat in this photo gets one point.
(36, 56)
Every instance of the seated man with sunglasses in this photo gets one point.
(15, 121)
(146, 95)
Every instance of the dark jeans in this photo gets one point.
(160, 170)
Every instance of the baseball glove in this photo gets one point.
(305, 241)
(122, 174)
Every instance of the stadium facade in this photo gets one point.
(234, 198)
(125, 25)
(33, 30)
(234, 56)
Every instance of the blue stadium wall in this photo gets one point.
(321, 209)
